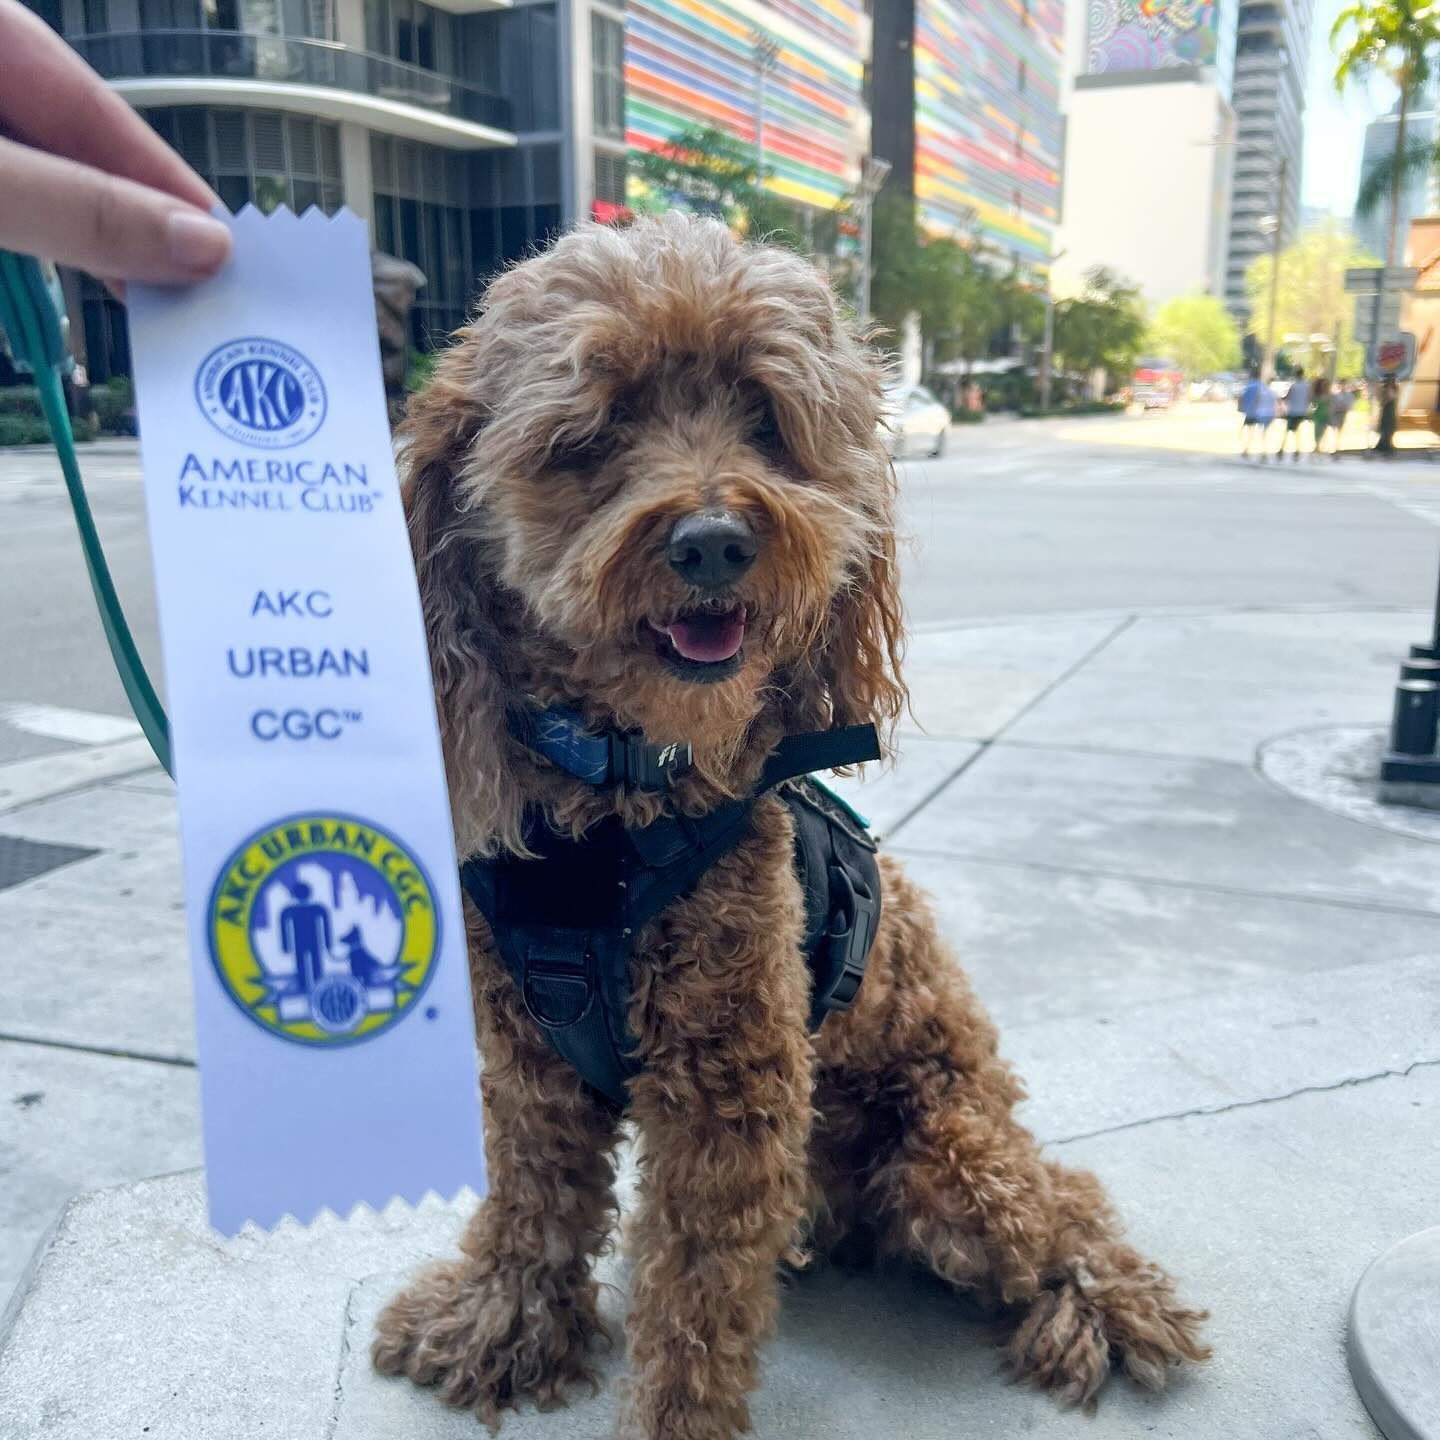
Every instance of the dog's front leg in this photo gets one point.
(516, 1312)
(723, 1112)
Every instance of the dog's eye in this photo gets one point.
(580, 456)
(764, 431)
(577, 456)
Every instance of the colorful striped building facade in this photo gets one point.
(692, 63)
(988, 131)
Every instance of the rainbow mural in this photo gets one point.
(689, 62)
(987, 122)
(1127, 35)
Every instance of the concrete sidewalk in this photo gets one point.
(1214, 965)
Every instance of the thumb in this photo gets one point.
(65, 211)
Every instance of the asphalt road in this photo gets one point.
(1019, 518)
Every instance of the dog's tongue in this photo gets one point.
(708, 638)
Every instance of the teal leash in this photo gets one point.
(27, 315)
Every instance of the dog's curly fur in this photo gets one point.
(605, 389)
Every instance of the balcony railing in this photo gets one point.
(237, 55)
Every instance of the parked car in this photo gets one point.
(1153, 397)
(913, 422)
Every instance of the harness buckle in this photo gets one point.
(854, 918)
(637, 761)
(559, 978)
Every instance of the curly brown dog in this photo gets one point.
(605, 391)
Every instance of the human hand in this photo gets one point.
(83, 179)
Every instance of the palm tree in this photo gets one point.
(1395, 37)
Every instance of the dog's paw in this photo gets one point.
(485, 1341)
(1073, 1335)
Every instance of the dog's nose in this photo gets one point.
(712, 548)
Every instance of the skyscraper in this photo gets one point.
(1418, 195)
(1150, 145)
(966, 102)
(1271, 54)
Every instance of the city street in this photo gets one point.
(1148, 682)
(1019, 518)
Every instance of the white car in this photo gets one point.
(914, 422)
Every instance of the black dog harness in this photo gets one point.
(565, 922)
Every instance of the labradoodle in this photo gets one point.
(606, 391)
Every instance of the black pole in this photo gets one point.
(1435, 627)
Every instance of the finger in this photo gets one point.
(109, 226)
(51, 98)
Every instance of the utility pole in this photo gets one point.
(766, 53)
(1047, 353)
(873, 174)
(1267, 370)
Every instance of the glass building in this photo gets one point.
(1272, 52)
(695, 63)
(966, 101)
(466, 131)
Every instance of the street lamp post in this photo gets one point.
(1277, 220)
(1048, 349)
(873, 174)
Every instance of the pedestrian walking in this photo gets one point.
(1257, 405)
(1297, 412)
(1389, 418)
(1321, 414)
(1341, 404)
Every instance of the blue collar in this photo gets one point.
(610, 757)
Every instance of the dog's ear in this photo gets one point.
(461, 600)
(863, 639)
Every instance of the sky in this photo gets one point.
(1335, 125)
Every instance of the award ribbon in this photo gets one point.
(332, 997)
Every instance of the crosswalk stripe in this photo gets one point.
(81, 727)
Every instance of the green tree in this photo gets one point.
(714, 173)
(1395, 37)
(895, 240)
(1102, 328)
(1311, 298)
(961, 301)
(1198, 333)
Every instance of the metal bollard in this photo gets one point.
(1417, 709)
(1420, 670)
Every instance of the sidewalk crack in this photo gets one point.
(332, 1424)
(1350, 1082)
(984, 746)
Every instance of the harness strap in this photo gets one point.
(609, 757)
(820, 750)
(565, 923)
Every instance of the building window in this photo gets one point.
(411, 31)
(49, 11)
(258, 157)
(520, 49)
(610, 170)
(422, 214)
(97, 17)
(607, 75)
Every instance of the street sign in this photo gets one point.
(1365, 316)
(1392, 358)
(1366, 280)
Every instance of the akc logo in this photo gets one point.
(261, 392)
(323, 929)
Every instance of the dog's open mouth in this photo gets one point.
(704, 643)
